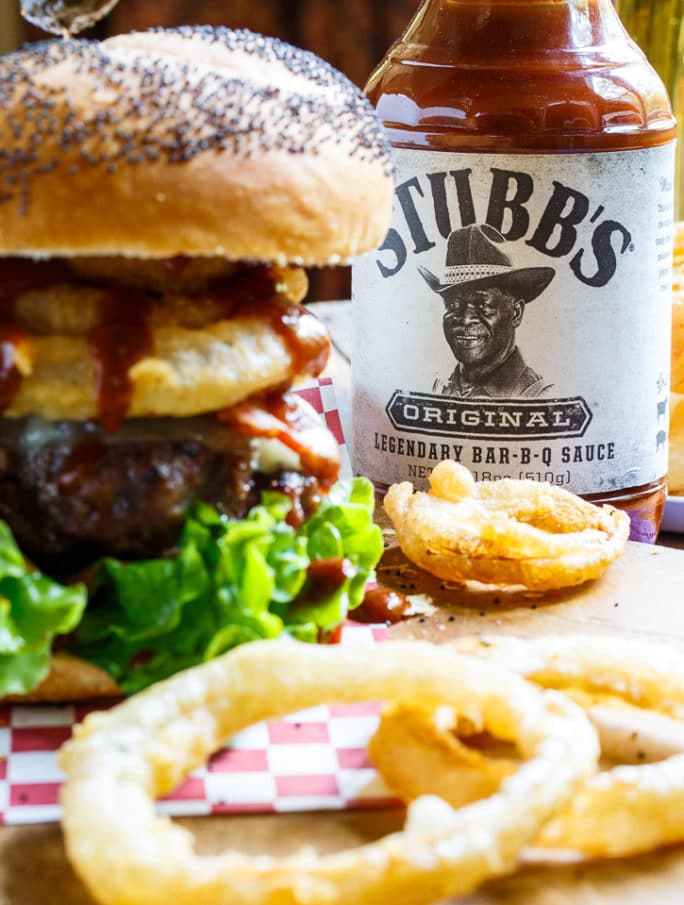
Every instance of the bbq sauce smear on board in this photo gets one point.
(501, 112)
(379, 605)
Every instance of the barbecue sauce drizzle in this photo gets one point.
(280, 416)
(120, 340)
(253, 293)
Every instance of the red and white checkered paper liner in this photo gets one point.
(320, 394)
(314, 760)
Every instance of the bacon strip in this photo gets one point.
(287, 418)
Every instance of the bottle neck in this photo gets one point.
(529, 75)
(524, 28)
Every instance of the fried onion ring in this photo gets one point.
(504, 532)
(626, 810)
(120, 760)
(419, 751)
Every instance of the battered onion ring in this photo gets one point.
(504, 532)
(119, 760)
(419, 751)
(623, 811)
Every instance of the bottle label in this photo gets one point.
(517, 320)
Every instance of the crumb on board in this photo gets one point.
(421, 605)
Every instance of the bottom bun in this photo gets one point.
(71, 679)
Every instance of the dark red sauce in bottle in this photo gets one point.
(532, 82)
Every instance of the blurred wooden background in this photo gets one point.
(353, 35)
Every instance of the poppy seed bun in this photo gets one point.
(193, 141)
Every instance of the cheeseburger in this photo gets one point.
(160, 196)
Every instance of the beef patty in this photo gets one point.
(68, 504)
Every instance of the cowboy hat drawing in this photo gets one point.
(473, 261)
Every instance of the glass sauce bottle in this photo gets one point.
(517, 316)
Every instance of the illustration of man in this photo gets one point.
(484, 298)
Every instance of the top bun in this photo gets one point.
(194, 141)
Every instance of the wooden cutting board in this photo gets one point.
(642, 597)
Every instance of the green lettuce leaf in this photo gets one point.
(33, 609)
(231, 581)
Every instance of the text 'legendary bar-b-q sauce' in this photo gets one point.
(517, 317)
